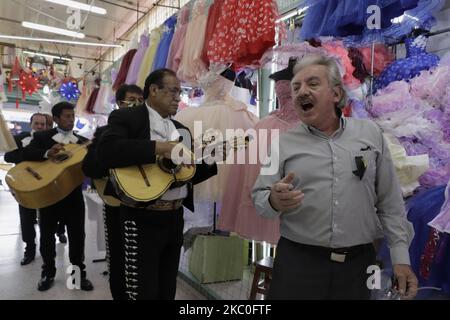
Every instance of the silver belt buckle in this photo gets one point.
(337, 257)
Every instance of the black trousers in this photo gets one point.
(27, 222)
(307, 272)
(152, 245)
(71, 210)
(115, 252)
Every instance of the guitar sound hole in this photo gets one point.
(168, 166)
(61, 157)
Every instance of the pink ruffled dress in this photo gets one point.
(238, 213)
(192, 67)
(177, 45)
(219, 111)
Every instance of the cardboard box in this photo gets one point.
(217, 258)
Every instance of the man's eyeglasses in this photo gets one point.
(133, 102)
(176, 92)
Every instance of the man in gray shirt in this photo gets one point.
(335, 192)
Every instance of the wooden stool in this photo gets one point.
(262, 287)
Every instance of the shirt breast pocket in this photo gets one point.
(364, 165)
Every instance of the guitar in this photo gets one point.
(100, 185)
(136, 185)
(39, 184)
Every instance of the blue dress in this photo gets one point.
(341, 18)
(348, 19)
(416, 60)
(422, 208)
(164, 45)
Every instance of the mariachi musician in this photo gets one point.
(46, 145)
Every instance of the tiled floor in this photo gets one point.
(19, 282)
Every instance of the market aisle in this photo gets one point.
(20, 282)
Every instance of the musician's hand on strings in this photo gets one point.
(164, 149)
(175, 152)
(54, 150)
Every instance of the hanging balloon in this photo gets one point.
(29, 84)
(69, 91)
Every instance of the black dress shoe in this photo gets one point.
(45, 283)
(27, 258)
(86, 285)
(62, 238)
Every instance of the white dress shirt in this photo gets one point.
(163, 129)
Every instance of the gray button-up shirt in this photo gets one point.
(339, 209)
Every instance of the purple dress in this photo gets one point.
(137, 60)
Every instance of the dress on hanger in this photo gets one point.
(213, 17)
(192, 66)
(244, 31)
(147, 62)
(416, 60)
(124, 66)
(348, 17)
(238, 213)
(429, 250)
(104, 103)
(177, 45)
(133, 70)
(93, 97)
(164, 44)
(442, 221)
(219, 111)
(7, 142)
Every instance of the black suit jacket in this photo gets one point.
(16, 156)
(92, 167)
(126, 141)
(42, 141)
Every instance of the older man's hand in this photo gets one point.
(283, 197)
(406, 281)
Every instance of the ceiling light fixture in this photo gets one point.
(81, 43)
(46, 55)
(79, 5)
(45, 28)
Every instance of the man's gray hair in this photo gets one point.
(334, 74)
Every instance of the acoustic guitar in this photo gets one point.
(39, 184)
(136, 185)
(100, 185)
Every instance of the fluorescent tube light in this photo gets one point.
(46, 55)
(81, 43)
(79, 5)
(42, 27)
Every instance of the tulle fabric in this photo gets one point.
(429, 250)
(416, 60)
(382, 58)
(442, 221)
(342, 18)
(238, 213)
(280, 55)
(337, 49)
(219, 111)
